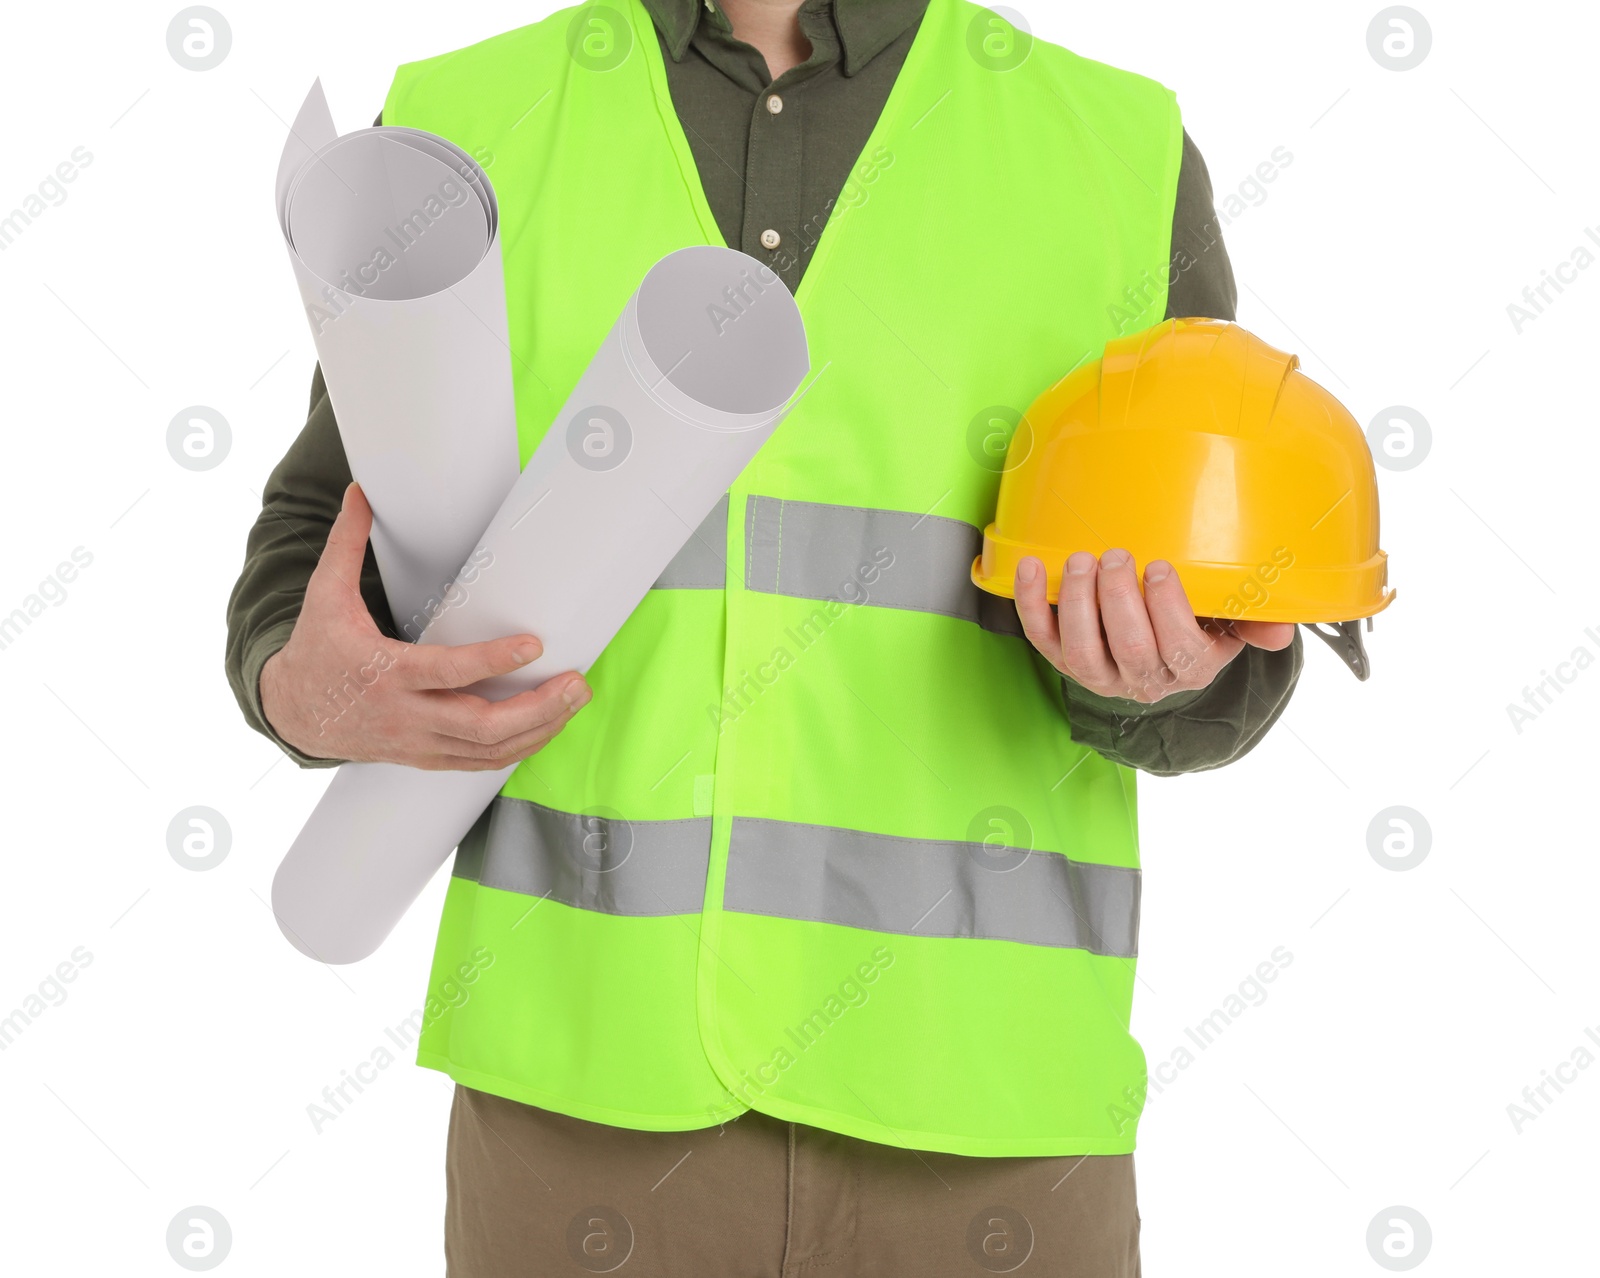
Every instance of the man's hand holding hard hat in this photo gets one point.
(1246, 490)
(1115, 641)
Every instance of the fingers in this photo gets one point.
(1033, 609)
(437, 665)
(477, 726)
(339, 566)
(1129, 634)
(1084, 654)
(1188, 652)
(467, 735)
(509, 755)
(1271, 635)
(1117, 640)
(519, 748)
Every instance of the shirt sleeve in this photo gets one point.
(1211, 726)
(298, 507)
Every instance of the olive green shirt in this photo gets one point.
(774, 156)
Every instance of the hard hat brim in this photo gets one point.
(1232, 592)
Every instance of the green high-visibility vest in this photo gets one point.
(822, 845)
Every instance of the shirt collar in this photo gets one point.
(866, 27)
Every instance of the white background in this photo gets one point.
(1418, 1004)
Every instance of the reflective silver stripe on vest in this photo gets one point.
(887, 558)
(591, 862)
(702, 563)
(928, 887)
(913, 887)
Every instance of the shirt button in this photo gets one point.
(774, 104)
(770, 239)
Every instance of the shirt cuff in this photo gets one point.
(261, 650)
(1125, 708)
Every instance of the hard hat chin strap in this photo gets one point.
(1345, 639)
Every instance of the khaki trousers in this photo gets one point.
(532, 1192)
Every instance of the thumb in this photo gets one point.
(1271, 635)
(338, 570)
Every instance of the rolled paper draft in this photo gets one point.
(682, 393)
(393, 235)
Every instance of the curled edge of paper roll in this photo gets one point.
(424, 400)
(744, 378)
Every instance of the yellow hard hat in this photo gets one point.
(1197, 443)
